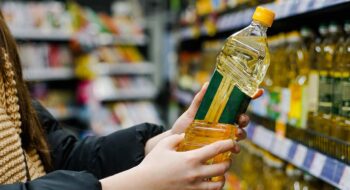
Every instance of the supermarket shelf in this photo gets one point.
(283, 9)
(100, 40)
(48, 74)
(130, 94)
(139, 68)
(107, 39)
(110, 39)
(324, 167)
(40, 35)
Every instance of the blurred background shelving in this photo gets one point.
(103, 66)
(80, 61)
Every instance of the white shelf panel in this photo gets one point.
(319, 165)
(140, 68)
(131, 94)
(99, 40)
(110, 39)
(283, 9)
(40, 35)
(107, 39)
(47, 74)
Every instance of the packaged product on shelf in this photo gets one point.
(326, 66)
(121, 115)
(188, 68)
(298, 58)
(36, 17)
(45, 55)
(119, 54)
(241, 67)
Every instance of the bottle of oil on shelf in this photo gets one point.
(344, 106)
(299, 58)
(241, 67)
(317, 60)
(325, 61)
(339, 75)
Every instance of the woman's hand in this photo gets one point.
(166, 169)
(187, 117)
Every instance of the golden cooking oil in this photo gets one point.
(241, 67)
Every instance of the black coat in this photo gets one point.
(78, 164)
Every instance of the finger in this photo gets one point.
(209, 151)
(236, 149)
(192, 110)
(207, 185)
(241, 134)
(243, 120)
(259, 93)
(173, 141)
(213, 170)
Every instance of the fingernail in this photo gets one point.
(205, 85)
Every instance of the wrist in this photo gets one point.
(132, 179)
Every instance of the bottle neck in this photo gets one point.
(262, 27)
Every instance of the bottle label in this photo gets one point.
(337, 94)
(223, 101)
(313, 91)
(325, 93)
(298, 105)
(345, 98)
(273, 108)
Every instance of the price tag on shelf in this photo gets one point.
(300, 155)
(329, 168)
(345, 180)
(292, 150)
(317, 164)
(250, 130)
(263, 137)
(281, 147)
(303, 6)
(338, 173)
(310, 154)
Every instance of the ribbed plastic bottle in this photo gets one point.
(241, 67)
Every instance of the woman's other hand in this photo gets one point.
(166, 169)
(172, 170)
(187, 117)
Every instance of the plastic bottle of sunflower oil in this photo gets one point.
(241, 67)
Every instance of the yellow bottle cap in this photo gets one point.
(264, 15)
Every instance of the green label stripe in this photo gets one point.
(209, 95)
(236, 105)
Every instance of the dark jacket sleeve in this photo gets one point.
(59, 180)
(101, 156)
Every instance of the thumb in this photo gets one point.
(259, 93)
(192, 110)
(173, 141)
